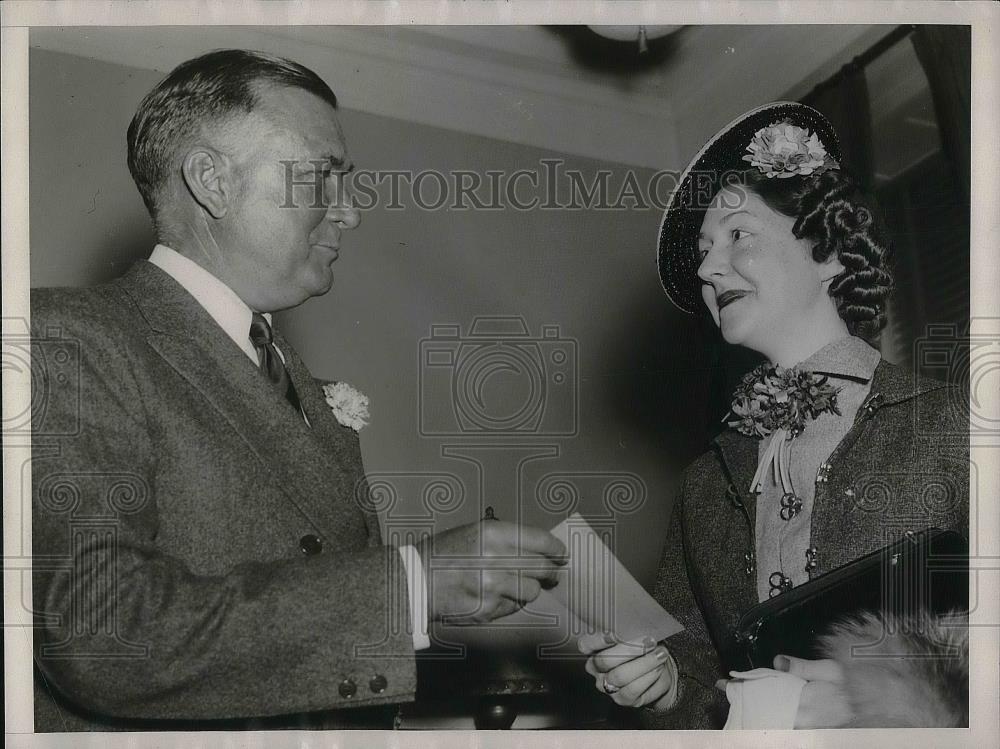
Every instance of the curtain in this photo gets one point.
(845, 102)
(945, 52)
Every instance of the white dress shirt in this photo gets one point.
(234, 316)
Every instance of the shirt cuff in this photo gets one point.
(416, 586)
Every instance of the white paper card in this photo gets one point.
(600, 591)
(595, 593)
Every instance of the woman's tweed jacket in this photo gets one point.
(904, 465)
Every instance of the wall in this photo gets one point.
(641, 373)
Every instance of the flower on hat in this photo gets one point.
(783, 150)
(349, 406)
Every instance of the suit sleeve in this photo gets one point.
(128, 631)
(698, 703)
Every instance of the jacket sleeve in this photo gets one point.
(127, 631)
(699, 704)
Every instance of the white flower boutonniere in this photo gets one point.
(349, 406)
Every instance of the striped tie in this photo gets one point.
(269, 360)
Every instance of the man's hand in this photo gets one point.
(481, 571)
(822, 703)
(633, 674)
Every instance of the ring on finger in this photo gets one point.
(609, 688)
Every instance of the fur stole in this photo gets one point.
(905, 672)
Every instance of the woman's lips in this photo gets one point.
(728, 297)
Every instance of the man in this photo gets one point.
(204, 543)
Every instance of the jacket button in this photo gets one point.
(823, 474)
(310, 545)
(347, 688)
(378, 683)
(791, 506)
(812, 558)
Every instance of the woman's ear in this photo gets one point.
(208, 176)
(830, 268)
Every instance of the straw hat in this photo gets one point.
(760, 137)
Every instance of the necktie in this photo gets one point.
(269, 360)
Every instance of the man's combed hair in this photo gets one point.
(830, 211)
(208, 88)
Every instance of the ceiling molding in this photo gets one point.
(515, 84)
(405, 81)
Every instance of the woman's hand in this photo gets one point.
(822, 704)
(633, 674)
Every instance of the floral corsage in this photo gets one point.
(349, 406)
(785, 150)
(779, 400)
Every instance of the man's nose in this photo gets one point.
(345, 216)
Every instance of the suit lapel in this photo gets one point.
(339, 442)
(324, 426)
(739, 458)
(191, 342)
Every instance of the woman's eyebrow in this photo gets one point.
(724, 219)
(735, 213)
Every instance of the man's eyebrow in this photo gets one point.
(340, 163)
(336, 163)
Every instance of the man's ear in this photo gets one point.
(208, 175)
(830, 268)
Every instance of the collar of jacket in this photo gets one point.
(307, 459)
(738, 452)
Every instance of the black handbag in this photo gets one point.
(922, 572)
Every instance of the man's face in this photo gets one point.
(290, 207)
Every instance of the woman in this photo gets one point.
(775, 238)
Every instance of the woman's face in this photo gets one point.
(760, 283)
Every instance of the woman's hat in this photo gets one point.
(782, 139)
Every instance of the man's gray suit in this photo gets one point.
(168, 531)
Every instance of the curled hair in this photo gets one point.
(205, 89)
(831, 212)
